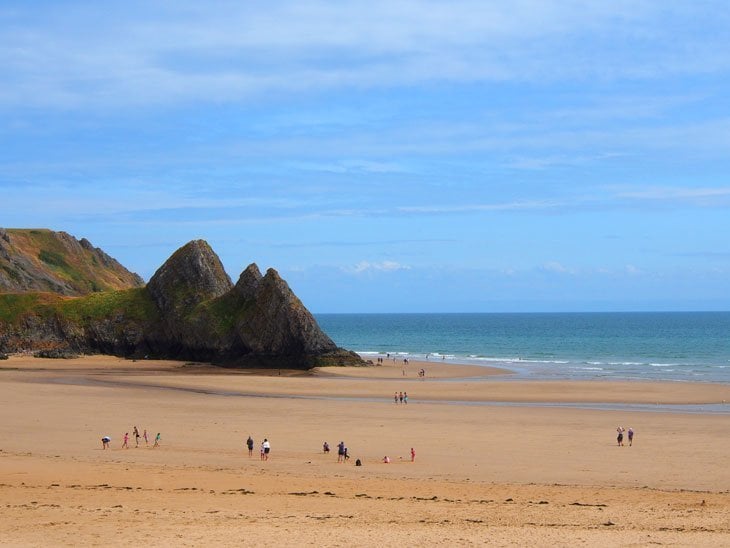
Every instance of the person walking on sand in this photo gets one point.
(267, 448)
(413, 455)
(146, 439)
(249, 444)
(105, 442)
(136, 436)
(631, 436)
(405, 398)
(620, 436)
(125, 445)
(400, 396)
(157, 440)
(395, 397)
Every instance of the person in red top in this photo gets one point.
(413, 455)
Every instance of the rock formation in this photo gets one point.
(189, 310)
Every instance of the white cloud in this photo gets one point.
(557, 268)
(384, 266)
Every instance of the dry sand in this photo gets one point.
(486, 472)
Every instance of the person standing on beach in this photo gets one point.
(136, 436)
(620, 436)
(249, 444)
(395, 397)
(267, 448)
(405, 398)
(146, 439)
(631, 436)
(341, 451)
(157, 440)
(413, 455)
(125, 445)
(400, 396)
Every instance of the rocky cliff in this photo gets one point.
(43, 260)
(190, 310)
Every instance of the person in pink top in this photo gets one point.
(125, 445)
(413, 455)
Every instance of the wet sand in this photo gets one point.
(484, 473)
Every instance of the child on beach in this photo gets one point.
(413, 455)
(325, 448)
(620, 436)
(125, 445)
(157, 440)
(631, 436)
(146, 440)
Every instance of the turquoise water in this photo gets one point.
(676, 346)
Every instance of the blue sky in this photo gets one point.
(385, 156)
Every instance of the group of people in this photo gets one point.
(386, 458)
(264, 450)
(400, 397)
(620, 435)
(106, 440)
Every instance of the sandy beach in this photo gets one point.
(498, 461)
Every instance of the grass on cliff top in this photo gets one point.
(15, 305)
(133, 304)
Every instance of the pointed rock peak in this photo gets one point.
(248, 282)
(193, 274)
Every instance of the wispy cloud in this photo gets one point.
(383, 266)
(71, 55)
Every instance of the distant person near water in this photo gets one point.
(249, 444)
(631, 436)
(620, 436)
(267, 448)
(413, 455)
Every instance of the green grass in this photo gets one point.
(134, 304)
(14, 305)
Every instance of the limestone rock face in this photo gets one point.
(269, 322)
(192, 275)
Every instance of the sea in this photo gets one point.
(657, 346)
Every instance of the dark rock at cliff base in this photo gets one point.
(190, 310)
